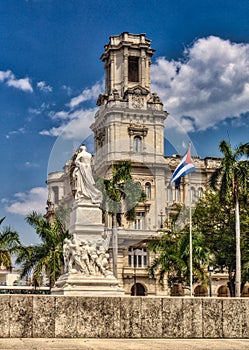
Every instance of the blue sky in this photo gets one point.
(51, 75)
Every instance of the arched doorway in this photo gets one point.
(137, 290)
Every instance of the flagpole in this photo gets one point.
(185, 167)
(190, 238)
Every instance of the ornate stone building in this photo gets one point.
(129, 125)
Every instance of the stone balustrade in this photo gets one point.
(41, 316)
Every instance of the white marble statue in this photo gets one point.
(83, 178)
(86, 257)
(66, 255)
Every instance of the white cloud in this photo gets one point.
(6, 75)
(26, 202)
(16, 132)
(31, 164)
(35, 111)
(42, 108)
(21, 84)
(208, 86)
(68, 90)
(75, 125)
(9, 79)
(87, 94)
(61, 115)
(44, 87)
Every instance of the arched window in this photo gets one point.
(148, 190)
(200, 192)
(137, 144)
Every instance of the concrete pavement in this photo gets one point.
(122, 344)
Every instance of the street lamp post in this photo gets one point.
(210, 270)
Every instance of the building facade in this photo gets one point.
(129, 125)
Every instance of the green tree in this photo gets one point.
(216, 221)
(167, 260)
(9, 245)
(120, 195)
(172, 251)
(232, 179)
(46, 257)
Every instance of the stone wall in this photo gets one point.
(122, 317)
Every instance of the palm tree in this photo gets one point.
(171, 251)
(120, 195)
(167, 260)
(46, 257)
(9, 244)
(232, 179)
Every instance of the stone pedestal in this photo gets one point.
(76, 284)
(86, 220)
(86, 257)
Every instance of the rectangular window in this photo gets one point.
(139, 221)
(177, 195)
(108, 79)
(133, 69)
(137, 144)
(169, 194)
(137, 257)
(56, 194)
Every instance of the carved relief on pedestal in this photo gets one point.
(89, 258)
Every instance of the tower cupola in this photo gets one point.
(127, 60)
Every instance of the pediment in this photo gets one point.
(136, 90)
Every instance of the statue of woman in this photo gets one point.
(82, 174)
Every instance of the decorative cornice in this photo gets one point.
(136, 129)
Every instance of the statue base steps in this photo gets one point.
(76, 284)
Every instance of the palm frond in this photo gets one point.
(2, 219)
(242, 150)
(48, 256)
(226, 149)
(214, 178)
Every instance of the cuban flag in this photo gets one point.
(185, 167)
